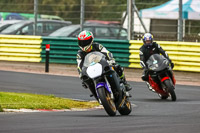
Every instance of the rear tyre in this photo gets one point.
(170, 89)
(107, 102)
(126, 108)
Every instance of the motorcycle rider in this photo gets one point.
(86, 44)
(146, 50)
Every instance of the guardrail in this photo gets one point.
(20, 48)
(185, 55)
(64, 50)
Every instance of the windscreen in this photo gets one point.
(155, 61)
(93, 58)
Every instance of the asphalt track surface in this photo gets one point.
(151, 114)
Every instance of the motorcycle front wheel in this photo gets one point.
(126, 108)
(163, 96)
(170, 89)
(107, 102)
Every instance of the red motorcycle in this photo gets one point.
(161, 78)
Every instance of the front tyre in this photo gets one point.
(163, 96)
(170, 89)
(106, 101)
(126, 108)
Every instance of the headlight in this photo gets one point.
(94, 70)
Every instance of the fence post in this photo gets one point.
(47, 58)
(35, 16)
(130, 18)
(82, 14)
(180, 22)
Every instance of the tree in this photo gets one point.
(70, 9)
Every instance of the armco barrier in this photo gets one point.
(20, 48)
(64, 50)
(185, 55)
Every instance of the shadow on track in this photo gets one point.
(154, 100)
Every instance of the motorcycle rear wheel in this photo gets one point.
(170, 89)
(126, 108)
(107, 102)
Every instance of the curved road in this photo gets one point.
(151, 115)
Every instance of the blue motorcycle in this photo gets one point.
(105, 84)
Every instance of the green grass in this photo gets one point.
(1, 110)
(10, 100)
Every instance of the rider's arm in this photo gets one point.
(163, 52)
(79, 59)
(142, 59)
(79, 62)
(107, 53)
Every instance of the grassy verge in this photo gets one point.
(1, 110)
(10, 100)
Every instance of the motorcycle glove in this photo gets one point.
(172, 65)
(111, 62)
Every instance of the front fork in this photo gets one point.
(156, 85)
(105, 84)
(166, 77)
(112, 85)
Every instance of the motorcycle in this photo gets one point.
(105, 84)
(160, 77)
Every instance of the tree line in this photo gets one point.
(70, 9)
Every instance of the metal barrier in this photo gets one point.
(64, 50)
(20, 48)
(185, 55)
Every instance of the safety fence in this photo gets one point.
(64, 50)
(162, 23)
(20, 48)
(185, 55)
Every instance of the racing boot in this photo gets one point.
(120, 72)
(126, 84)
(145, 75)
(149, 86)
